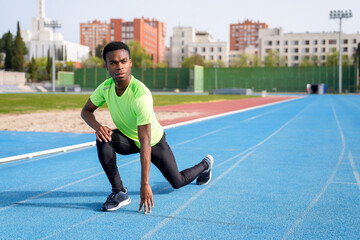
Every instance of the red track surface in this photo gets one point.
(214, 108)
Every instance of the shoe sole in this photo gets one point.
(212, 161)
(122, 204)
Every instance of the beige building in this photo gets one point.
(187, 41)
(297, 46)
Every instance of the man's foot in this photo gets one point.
(116, 201)
(205, 177)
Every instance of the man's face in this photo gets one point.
(119, 65)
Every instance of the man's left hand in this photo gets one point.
(146, 198)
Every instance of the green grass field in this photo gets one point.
(25, 103)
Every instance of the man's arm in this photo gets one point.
(102, 132)
(146, 195)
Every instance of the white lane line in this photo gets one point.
(230, 126)
(328, 182)
(193, 198)
(345, 183)
(248, 152)
(356, 173)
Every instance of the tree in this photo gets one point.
(332, 58)
(273, 59)
(99, 49)
(18, 58)
(8, 51)
(190, 62)
(33, 68)
(139, 57)
(210, 64)
(306, 62)
(93, 62)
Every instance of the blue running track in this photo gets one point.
(286, 171)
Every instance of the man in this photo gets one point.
(131, 107)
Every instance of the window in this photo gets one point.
(323, 50)
(323, 42)
(305, 42)
(315, 42)
(195, 49)
(286, 43)
(294, 50)
(332, 41)
(182, 34)
(345, 49)
(295, 58)
(294, 42)
(203, 49)
(315, 50)
(268, 43)
(354, 41)
(306, 50)
(285, 50)
(277, 43)
(345, 41)
(219, 49)
(212, 49)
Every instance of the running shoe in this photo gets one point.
(205, 177)
(116, 201)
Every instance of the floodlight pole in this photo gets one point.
(53, 25)
(340, 15)
(216, 65)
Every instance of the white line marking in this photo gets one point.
(345, 183)
(328, 182)
(356, 173)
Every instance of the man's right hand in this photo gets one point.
(104, 134)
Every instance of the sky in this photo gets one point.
(212, 16)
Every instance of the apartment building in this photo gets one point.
(150, 33)
(297, 46)
(187, 41)
(245, 35)
(94, 33)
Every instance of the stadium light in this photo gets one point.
(216, 65)
(53, 24)
(340, 14)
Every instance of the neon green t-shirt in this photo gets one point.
(133, 108)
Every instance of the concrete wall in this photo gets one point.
(12, 78)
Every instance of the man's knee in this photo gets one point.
(176, 184)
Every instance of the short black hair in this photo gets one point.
(113, 46)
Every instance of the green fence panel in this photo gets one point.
(271, 79)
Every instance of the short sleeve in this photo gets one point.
(97, 97)
(144, 110)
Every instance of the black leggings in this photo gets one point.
(161, 156)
